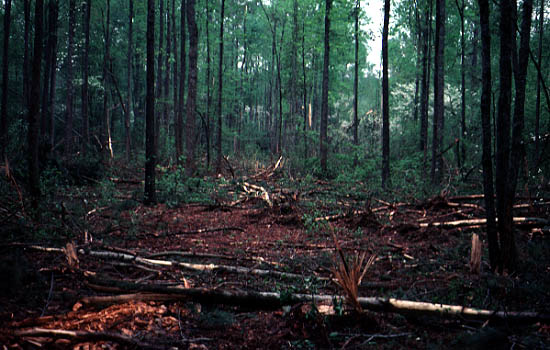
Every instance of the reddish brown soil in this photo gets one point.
(423, 264)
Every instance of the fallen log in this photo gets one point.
(274, 300)
(526, 221)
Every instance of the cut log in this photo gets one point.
(273, 300)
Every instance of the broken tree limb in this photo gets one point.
(274, 300)
(191, 266)
(87, 336)
(474, 222)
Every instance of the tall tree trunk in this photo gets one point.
(324, 99)
(150, 151)
(53, 75)
(129, 106)
(179, 119)
(175, 74)
(5, 66)
(424, 92)
(539, 78)
(439, 86)
(160, 79)
(166, 90)
(487, 160)
(26, 44)
(356, 84)
(191, 89)
(295, 99)
(85, 74)
(305, 109)
(70, 88)
(508, 245)
(220, 93)
(462, 155)
(34, 106)
(106, 134)
(507, 34)
(208, 86)
(385, 100)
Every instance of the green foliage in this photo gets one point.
(175, 188)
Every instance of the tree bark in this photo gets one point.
(34, 106)
(53, 77)
(324, 98)
(461, 156)
(508, 245)
(356, 84)
(385, 100)
(208, 88)
(539, 78)
(439, 90)
(487, 159)
(85, 74)
(150, 151)
(26, 83)
(506, 31)
(191, 89)
(129, 57)
(424, 92)
(5, 66)
(106, 132)
(220, 93)
(70, 87)
(179, 119)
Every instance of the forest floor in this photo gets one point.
(262, 233)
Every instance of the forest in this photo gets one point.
(275, 174)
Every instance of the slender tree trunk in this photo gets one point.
(424, 92)
(439, 86)
(26, 44)
(506, 29)
(508, 245)
(220, 93)
(53, 76)
(166, 90)
(324, 99)
(487, 160)
(5, 66)
(85, 74)
(305, 108)
(175, 74)
(539, 78)
(191, 89)
(179, 120)
(70, 76)
(47, 69)
(462, 155)
(34, 106)
(385, 100)
(160, 79)
(208, 86)
(129, 57)
(356, 84)
(150, 151)
(106, 134)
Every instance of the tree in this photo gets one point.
(26, 83)
(487, 159)
(191, 89)
(150, 151)
(425, 80)
(439, 87)
(356, 81)
(181, 93)
(385, 99)
(208, 85)
(129, 109)
(324, 98)
(70, 88)
(106, 134)
(34, 106)
(539, 78)
(85, 74)
(5, 66)
(220, 93)
(461, 156)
